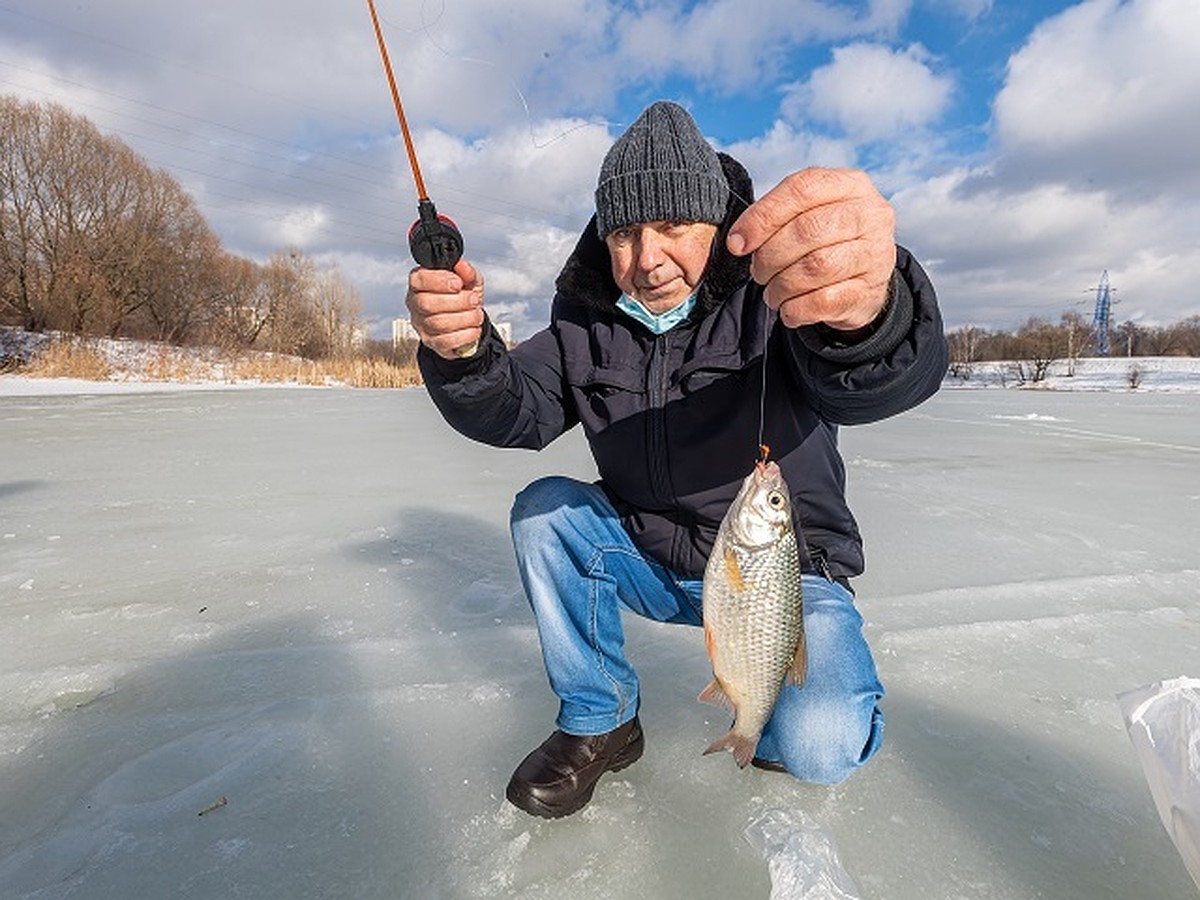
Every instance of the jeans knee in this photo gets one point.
(541, 497)
(831, 743)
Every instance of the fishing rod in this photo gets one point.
(433, 240)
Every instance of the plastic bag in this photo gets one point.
(1163, 720)
(801, 857)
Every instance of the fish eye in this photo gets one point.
(776, 500)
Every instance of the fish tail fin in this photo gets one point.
(739, 745)
(713, 693)
(798, 670)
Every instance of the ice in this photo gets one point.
(304, 601)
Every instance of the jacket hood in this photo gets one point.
(586, 278)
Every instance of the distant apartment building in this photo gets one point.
(402, 330)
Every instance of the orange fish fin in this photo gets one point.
(799, 668)
(739, 745)
(710, 644)
(733, 571)
(715, 694)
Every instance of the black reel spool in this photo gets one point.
(434, 240)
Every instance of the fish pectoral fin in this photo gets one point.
(715, 694)
(799, 668)
(733, 570)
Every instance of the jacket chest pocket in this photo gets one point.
(698, 375)
(606, 395)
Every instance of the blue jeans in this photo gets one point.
(580, 569)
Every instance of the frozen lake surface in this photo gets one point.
(304, 602)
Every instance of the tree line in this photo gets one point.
(1039, 343)
(93, 241)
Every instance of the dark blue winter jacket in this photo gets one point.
(673, 420)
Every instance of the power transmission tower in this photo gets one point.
(1102, 316)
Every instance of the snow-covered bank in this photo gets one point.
(1169, 374)
(58, 363)
(139, 366)
(305, 602)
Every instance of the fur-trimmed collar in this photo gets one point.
(587, 276)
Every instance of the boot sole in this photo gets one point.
(629, 754)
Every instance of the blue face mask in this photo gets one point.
(659, 324)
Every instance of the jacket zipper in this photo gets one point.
(656, 422)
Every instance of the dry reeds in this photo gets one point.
(356, 372)
(68, 358)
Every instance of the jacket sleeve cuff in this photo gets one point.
(450, 370)
(873, 341)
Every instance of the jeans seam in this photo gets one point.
(698, 608)
(596, 563)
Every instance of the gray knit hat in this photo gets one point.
(660, 169)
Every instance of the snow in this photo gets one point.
(1170, 374)
(304, 602)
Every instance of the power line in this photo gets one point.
(450, 189)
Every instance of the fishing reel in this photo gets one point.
(436, 243)
(434, 240)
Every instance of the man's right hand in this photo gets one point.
(446, 308)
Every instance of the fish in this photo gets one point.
(753, 609)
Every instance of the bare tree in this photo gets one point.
(336, 305)
(240, 311)
(21, 272)
(1041, 343)
(1078, 334)
(965, 346)
(290, 325)
(91, 239)
(1185, 337)
(178, 275)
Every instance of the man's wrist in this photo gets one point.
(848, 337)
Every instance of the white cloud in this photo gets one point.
(1105, 95)
(971, 10)
(783, 150)
(871, 92)
(1093, 166)
(735, 44)
(299, 227)
(1000, 255)
(262, 115)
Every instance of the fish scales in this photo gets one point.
(753, 609)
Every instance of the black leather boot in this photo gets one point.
(768, 765)
(558, 777)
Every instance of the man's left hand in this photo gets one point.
(823, 242)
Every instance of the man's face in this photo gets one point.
(659, 264)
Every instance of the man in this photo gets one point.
(679, 293)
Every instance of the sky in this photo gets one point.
(1027, 146)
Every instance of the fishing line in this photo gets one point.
(763, 449)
